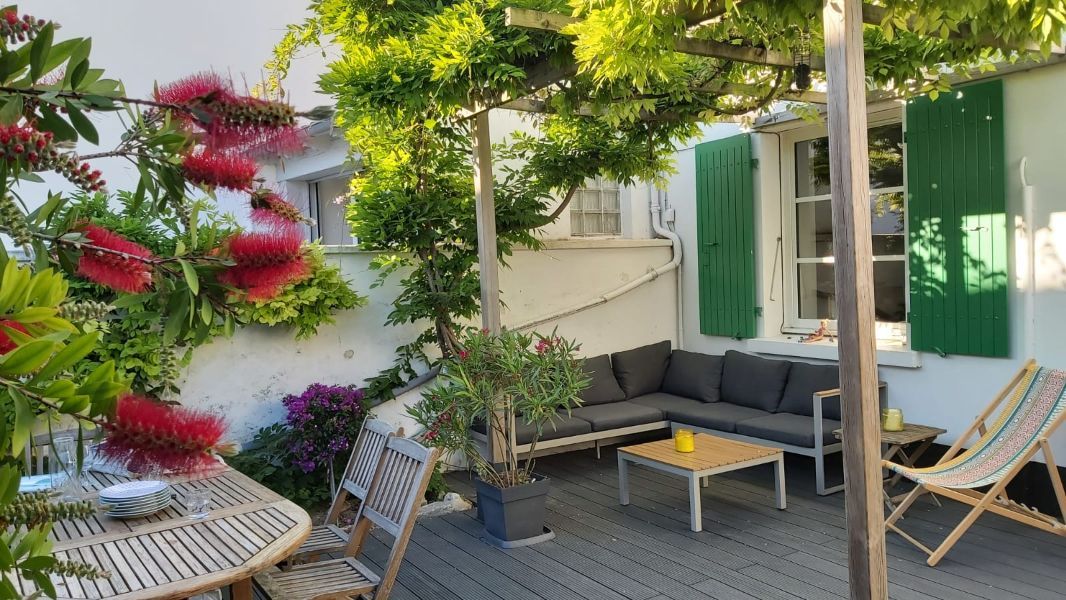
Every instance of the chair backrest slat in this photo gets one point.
(392, 504)
(405, 469)
(366, 455)
(363, 464)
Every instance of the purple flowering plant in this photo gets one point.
(324, 422)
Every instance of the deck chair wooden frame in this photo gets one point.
(392, 504)
(358, 474)
(995, 500)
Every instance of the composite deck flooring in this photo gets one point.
(748, 550)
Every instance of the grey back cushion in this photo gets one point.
(694, 375)
(753, 381)
(641, 370)
(603, 387)
(803, 381)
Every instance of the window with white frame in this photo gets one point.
(595, 210)
(809, 220)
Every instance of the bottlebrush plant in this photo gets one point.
(145, 435)
(186, 286)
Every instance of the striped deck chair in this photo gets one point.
(1035, 407)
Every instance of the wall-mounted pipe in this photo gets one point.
(657, 200)
(652, 275)
(1030, 248)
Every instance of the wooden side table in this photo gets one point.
(897, 442)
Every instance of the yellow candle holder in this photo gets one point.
(892, 420)
(684, 441)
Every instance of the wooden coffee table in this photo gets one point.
(713, 455)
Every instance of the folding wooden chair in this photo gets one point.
(1035, 409)
(392, 504)
(363, 464)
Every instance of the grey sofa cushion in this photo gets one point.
(559, 427)
(617, 414)
(694, 375)
(716, 415)
(786, 428)
(803, 381)
(669, 404)
(604, 387)
(641, 370)
(753, 381)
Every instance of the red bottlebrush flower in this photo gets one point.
(213, 169)
(115, 262)
(230, 121)
(265, 262)
(196, 88)
(6, 343)
(270, 209)
(145, 435)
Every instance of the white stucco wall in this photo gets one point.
(947, 392)
(246, 377)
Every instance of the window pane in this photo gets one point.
(593, 223)
(886, 161)
(812, 167)
(886, 156)
(817, 291)
(814, 229)
(612, 223)
(890, 304)
(610, 201)
(577, 223)
(886, 212)
(590, 200)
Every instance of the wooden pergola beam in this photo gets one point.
(539, 20)
(536, 105)
(538, 77)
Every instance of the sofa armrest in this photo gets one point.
(836, 391)
(817, 398)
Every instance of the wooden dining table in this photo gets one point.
(169, 554)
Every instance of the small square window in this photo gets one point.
(595, 210)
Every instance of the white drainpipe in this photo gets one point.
(1030, 247)
(657, 201)
(675, 261)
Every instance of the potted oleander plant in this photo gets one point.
(493, 384)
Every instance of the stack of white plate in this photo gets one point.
(135, 499)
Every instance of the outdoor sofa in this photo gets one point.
(794, 406)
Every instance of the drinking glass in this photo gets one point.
(63, 466)
(197, 501)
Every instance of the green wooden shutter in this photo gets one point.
(726, 236)
(957, 211)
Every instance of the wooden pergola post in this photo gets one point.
(486, 250)
(853, 258)
(486, 224)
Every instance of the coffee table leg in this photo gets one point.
(694, 505)
(623, 480)
(779, 482)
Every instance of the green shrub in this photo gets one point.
(308, 304)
